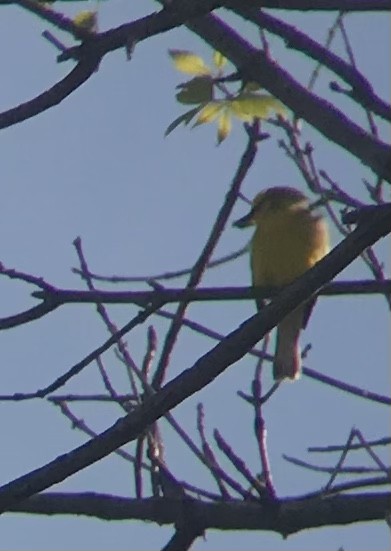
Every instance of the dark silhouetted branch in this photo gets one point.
(321, 469)
(203, 372)
(140, 298)
(362, 90)
(347, 387)
(82, 72)
(200, 266)
(386, 441)
(161, 276)
(255, 66)
(292, 515)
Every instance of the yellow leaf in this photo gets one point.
(87, 20)
(219, 60)
(209, 112)
(239, 111)
(189, 63)
(196, 90)
(250, 105)
(224, 126)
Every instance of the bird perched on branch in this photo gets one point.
(289, 239)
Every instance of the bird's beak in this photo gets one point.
(245, 221)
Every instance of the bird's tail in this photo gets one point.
(287, 359)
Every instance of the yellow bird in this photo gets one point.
(289, 239)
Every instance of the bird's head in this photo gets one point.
(272, 200)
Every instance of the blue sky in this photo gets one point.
(98, 166)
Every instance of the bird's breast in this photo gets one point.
(285, 246)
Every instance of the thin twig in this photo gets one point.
(351, 56)
(330, 37)
(198, 270)
(351, 485)
(358, 434)
(240, 466)
(208, 453)
(79, 366)
(259, 423)
(163, 275)
(386, 441)
(261, 436)
(330, 470)
(337, 468)
(206, 294)
(205, 370)
(120, 398)
(81, 425)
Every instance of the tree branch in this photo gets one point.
(80, 74)
(57, 19)
(90, 52)
(322, 5)
(300, 5)
(54, 298)
(199, 268)
(362, 90)
(255, 66)
(291, 515)
(336, 448)
(204, 371)
(140, 298)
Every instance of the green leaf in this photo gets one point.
(189, 63)
(198, 90)
(250, 105)
(219, 60)
(210, 112)
(224, 126)
(185, 118)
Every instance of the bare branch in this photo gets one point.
(240, 466)
(79, 366)
(353, 485)
(260, 426)
(386, 441)
(254, 66)
(91, 398)
(210, 457)
(347, 387)
(322, 5)
(200, 265)
(57, 19)
(94, 47)
(291, 516)
(298, 5)
(81, 425)
(140, 298)
(32, 314)
(330, 470)
(165, 275)
(204, 371)
(53, 96)
(361, 91)
(183, 538)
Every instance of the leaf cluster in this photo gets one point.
(214, 102)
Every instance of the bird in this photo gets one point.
(289, 238)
